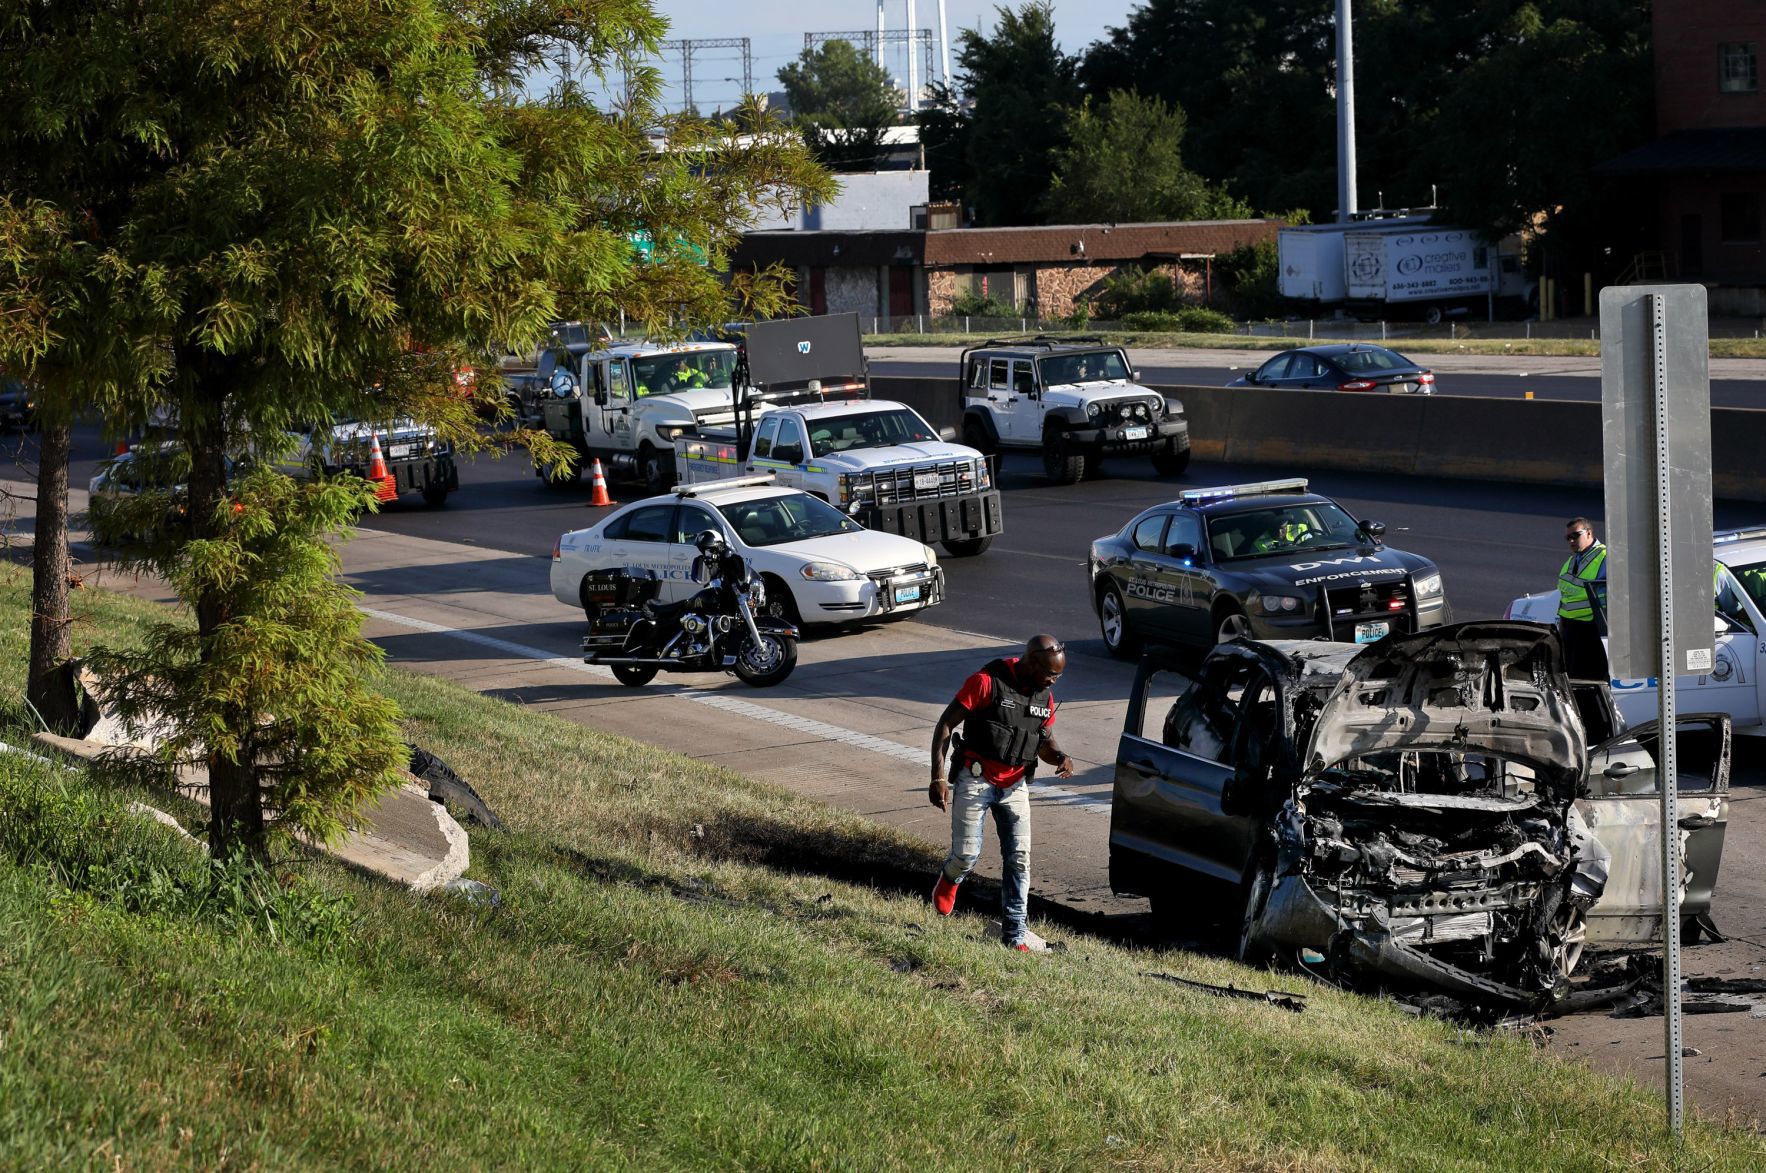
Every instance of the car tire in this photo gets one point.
(1061, 461)
(1171, 462)
(1113, 617)
(1432, 315)
(633, 675)
(655, 469)
(1229, 624)
(976, 436)
(966, 547)
(779, 603)
(435, 496)
(1255, 890)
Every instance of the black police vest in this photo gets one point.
(1008, 728)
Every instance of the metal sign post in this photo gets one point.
(1656, 426)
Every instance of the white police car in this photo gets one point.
(1739, 621)
(818, 565)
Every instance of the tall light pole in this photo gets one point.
(943, 47)
(913, 65)
(1345, 116)
(880, 4)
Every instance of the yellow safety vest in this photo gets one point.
(1574, 600)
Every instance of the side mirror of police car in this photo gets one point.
(1373, 529)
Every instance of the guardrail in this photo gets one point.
(1534, 441)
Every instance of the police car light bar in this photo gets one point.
(1738, 535)
(694, 490)
(1223, 492)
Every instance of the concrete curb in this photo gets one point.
(404, 837)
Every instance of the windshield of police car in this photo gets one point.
(870, 429)
(659, 374)
(1089, 367)
(770, 521)
(1258, 533)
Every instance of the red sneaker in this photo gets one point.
(944, 896)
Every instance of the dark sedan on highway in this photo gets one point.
(1268, 560)
(1346, 366)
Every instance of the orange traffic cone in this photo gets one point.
(385, 487)
(599, 485)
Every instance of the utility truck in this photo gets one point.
(1400, 266)
(624, 402)
(803, 413)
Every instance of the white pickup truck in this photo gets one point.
(802, 416)
(875, 459)
(1733, 685)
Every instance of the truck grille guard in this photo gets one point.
(894, 486)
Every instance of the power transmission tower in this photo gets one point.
(689, 48)
(867, 41)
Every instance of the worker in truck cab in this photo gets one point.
(686, 376)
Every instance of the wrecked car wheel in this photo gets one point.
(1250, 950)
(1566, 937)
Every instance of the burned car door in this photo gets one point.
(1623, 811)
(1167, 810)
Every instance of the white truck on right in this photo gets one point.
(1400, 266)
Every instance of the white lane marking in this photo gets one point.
(728, 704)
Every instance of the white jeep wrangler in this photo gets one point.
(1074, 399)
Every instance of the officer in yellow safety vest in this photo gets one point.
(1288, 533)
(1582, 602)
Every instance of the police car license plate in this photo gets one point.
(1134, 433)
(1367, 633)
(925, 480)
(907, 594)
(399, 450)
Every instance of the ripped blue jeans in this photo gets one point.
(971, 799)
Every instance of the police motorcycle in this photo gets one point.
(719, 629)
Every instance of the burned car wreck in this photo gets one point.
(1425, 813)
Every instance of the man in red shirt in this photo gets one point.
(1007, 712)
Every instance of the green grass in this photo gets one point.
(685, 973)
(1544, 347)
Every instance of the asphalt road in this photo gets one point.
(1734, 382)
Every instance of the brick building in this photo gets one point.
(1705, 172)
(1040, 270)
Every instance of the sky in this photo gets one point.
(775, 31)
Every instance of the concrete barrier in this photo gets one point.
(1532, 441)
(935, 399)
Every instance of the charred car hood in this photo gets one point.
(1489, 687)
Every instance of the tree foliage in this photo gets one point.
(1497, 111)
(842, 102)
(261, 213)
(1123, 164)
(1022, 89)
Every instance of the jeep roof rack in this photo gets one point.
(1043, 340)
(1254, 489)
